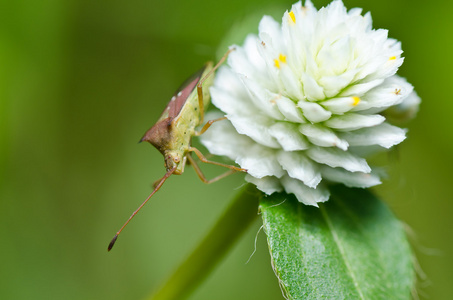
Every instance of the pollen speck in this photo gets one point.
(392, 58)
(292, 16)
(282, 58)
(356, 100)
(397, 91)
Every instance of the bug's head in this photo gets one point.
(175, 159)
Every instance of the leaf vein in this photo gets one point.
(341, 249)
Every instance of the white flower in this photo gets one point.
(306, 98)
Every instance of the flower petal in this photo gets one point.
(313, 111)
(350, 179)
(312, 90)
(303, 193)
(289, 137)
(340, 105)
(337, 158)
(353, 121)
(235, 102)
(267, 184)
(336, 83)
(300, 167)
(240, 62)
(292, 86)
(384, 135)
(289, 110)
(322, 136)
(272, 31)
(260, 161)
(360, 88)
(262, 98)
(392, 92)
(256, 127)
(406, 110)
(253, 55)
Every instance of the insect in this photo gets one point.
(172, 133)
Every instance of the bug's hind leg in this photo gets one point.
(205, 160)
(200, 84)
(201, 175)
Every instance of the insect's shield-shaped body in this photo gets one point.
(172, 133)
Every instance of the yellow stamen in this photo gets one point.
(356, 100)
(292, 16)
(392, 58)
(281, 59)
(397, 91)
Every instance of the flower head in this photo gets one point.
(306, 98)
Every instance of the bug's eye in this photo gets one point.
(176, 160)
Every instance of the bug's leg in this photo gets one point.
(201, 175)
(207, 125)
(200, 84)
(205, 160)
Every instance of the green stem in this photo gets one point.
(234, 221)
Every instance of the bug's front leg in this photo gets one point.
(207, 125)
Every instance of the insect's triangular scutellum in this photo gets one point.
(172, 133)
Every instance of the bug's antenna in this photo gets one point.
(158, 186)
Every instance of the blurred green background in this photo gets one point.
(81, 81)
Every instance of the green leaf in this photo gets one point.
(351, 247)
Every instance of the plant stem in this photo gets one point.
(235, 220)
